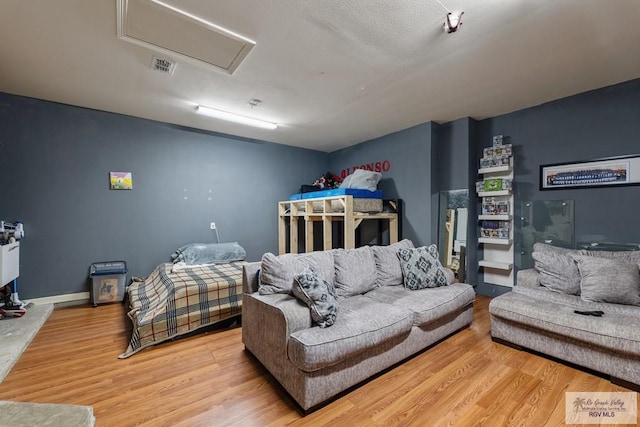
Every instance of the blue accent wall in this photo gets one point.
(588, 126)
(55, 160)
(54, 168)
(454, 168)
(409, 177)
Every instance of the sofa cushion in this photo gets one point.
(355, 271)
(629, 256)
(554, 312)
(428, 304)
(363, 323)
(421, 268)
(319, 295)
(544, 247)
(277, 272)
(608, 280)
(388, 271)
(558, 272)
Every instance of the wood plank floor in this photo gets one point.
(209, 380)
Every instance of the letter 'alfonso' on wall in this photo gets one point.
(381, 166)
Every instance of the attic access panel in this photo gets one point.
(161, 27)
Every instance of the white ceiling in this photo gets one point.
(333, 73)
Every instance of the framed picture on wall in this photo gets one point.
(623, 170)
(120, 180)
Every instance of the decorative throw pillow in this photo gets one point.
(608, 280)
(277, 272)
(558, 272)
(421, 268)
(319, 295)
(388, 271)
(355, 271)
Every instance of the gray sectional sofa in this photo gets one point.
(379, 322)
(540, 312)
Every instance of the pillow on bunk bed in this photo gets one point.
(362, 178)
(209, 253)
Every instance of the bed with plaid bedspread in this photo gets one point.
(168, 304)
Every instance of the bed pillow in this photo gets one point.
(361, 178)
(209, 253)
(355, 271)
(319, 295)
(421, 268)
(558, 272)
(608, 280)
(277, 272)
(388, 271)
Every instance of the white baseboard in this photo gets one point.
(58, 299)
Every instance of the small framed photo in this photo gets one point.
(120, 180)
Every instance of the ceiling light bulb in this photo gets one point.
(236, 118)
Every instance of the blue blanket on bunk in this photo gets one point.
(357, 193)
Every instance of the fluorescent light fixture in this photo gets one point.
(236, 118)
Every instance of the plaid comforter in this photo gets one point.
(168, 304)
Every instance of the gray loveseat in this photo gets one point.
(379, 322)
(539, 313)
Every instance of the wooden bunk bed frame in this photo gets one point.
(327, 210)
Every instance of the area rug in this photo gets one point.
(17, 332)
(23, 414)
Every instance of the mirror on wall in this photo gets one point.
(452, 230)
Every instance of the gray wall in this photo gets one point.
(454, 168)
(588, 126)
(453, 151)
(409, 178)
(55, 160)
(54, 168)
(427, 160)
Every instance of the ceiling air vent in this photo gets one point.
(163, 65)
(168, 30)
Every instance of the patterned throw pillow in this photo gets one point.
(421, 268)
(319, 295)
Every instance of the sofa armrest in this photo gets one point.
(267, 323)
(296, 314)
(250, 277)
(274, 312)
(528, 278)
